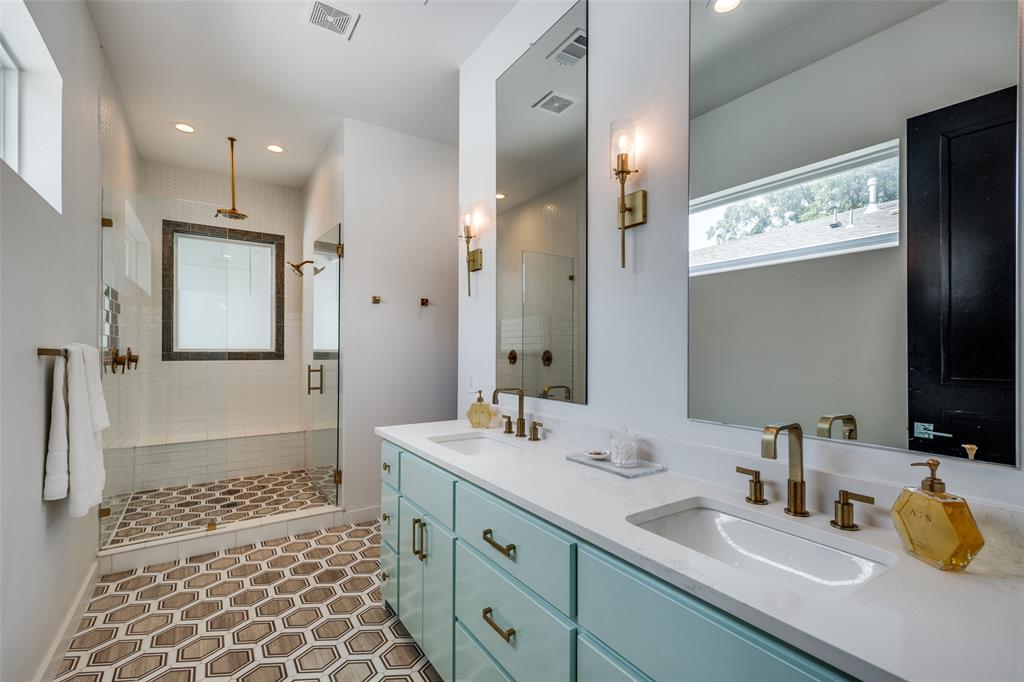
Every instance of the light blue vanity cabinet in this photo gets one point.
(503, 595)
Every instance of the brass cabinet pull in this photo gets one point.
(385, 517)
(507, 550)
(384, 576)
(423, 540)
(415, 524)
(506, 635)
(309, 379)
(386, 466)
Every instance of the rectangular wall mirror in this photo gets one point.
(542, 215)
(854, 221)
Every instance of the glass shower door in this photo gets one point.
(549, 325)
(323, 374)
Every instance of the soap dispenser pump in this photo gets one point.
(480, 413)
(935, 526)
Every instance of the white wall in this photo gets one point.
(49, 296)
(846, 315)
(401, 220)
(637, 330)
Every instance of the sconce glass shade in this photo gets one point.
(467, 226)
(622, 141)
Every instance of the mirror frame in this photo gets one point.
(1019, 399)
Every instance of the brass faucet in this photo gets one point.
(521, 421)
(546, 393)
(848, 421)
(796, 488)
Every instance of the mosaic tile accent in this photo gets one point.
(305, 607)
(152, 514)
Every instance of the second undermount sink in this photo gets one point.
(476, 444)
(809, 560)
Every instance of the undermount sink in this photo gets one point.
(809, 560)
(474, 444)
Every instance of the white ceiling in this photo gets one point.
(763, 40)
(257, 70)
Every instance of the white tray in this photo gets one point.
(642, 468)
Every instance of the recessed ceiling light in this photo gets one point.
(723, 6)
(276, 148)
(499, 195)
(184, 127)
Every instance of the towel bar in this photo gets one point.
(52, 351)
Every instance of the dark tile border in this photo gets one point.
(170, 228)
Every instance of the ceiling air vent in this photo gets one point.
(554, 103)
(334, 19)
(572, 50)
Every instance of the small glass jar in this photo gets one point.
(625, 448)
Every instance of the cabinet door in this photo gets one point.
(410, 570)
(438, 597)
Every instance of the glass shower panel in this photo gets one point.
(324, 373)
(548, 325)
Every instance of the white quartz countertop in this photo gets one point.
(912, 622)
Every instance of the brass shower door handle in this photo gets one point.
(309, 379)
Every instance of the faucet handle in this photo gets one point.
(756, 495)
(844, 509)
(535, 428)
(508, 423)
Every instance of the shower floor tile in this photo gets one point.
(305, 607)
(148, 515)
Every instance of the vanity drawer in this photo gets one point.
(543, 559)
(543, 645)
(389, 514)
(389, 462)
(595, 663)
(669, 635)
(429, 487)
(472, 663)
(389, 575)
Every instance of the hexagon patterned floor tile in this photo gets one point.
(305, 607)
(152, 514)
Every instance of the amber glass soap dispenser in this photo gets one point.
(934, 526)
(480, 413)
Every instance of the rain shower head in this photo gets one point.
(233, 213)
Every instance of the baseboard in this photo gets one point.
(359, 515)
(64, 636)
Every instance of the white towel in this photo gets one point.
(74, 462)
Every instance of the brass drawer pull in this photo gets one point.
(386, 466)
(415, 524)
(506, 635)
(507, 550)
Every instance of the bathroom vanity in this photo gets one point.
(506, 561)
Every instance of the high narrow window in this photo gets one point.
(839, 205)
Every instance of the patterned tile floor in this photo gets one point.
(305, 607)
(151, 514)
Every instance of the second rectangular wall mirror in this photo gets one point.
(854, 219)
(542, 215)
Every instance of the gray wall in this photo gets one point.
(48, 296)
(798, 340)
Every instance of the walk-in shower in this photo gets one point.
(231, 412)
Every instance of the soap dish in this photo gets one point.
(642, 468)
(597, 455)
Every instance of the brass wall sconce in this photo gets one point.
(633, 206)
(474, 257)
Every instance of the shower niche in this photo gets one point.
(230, 414)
